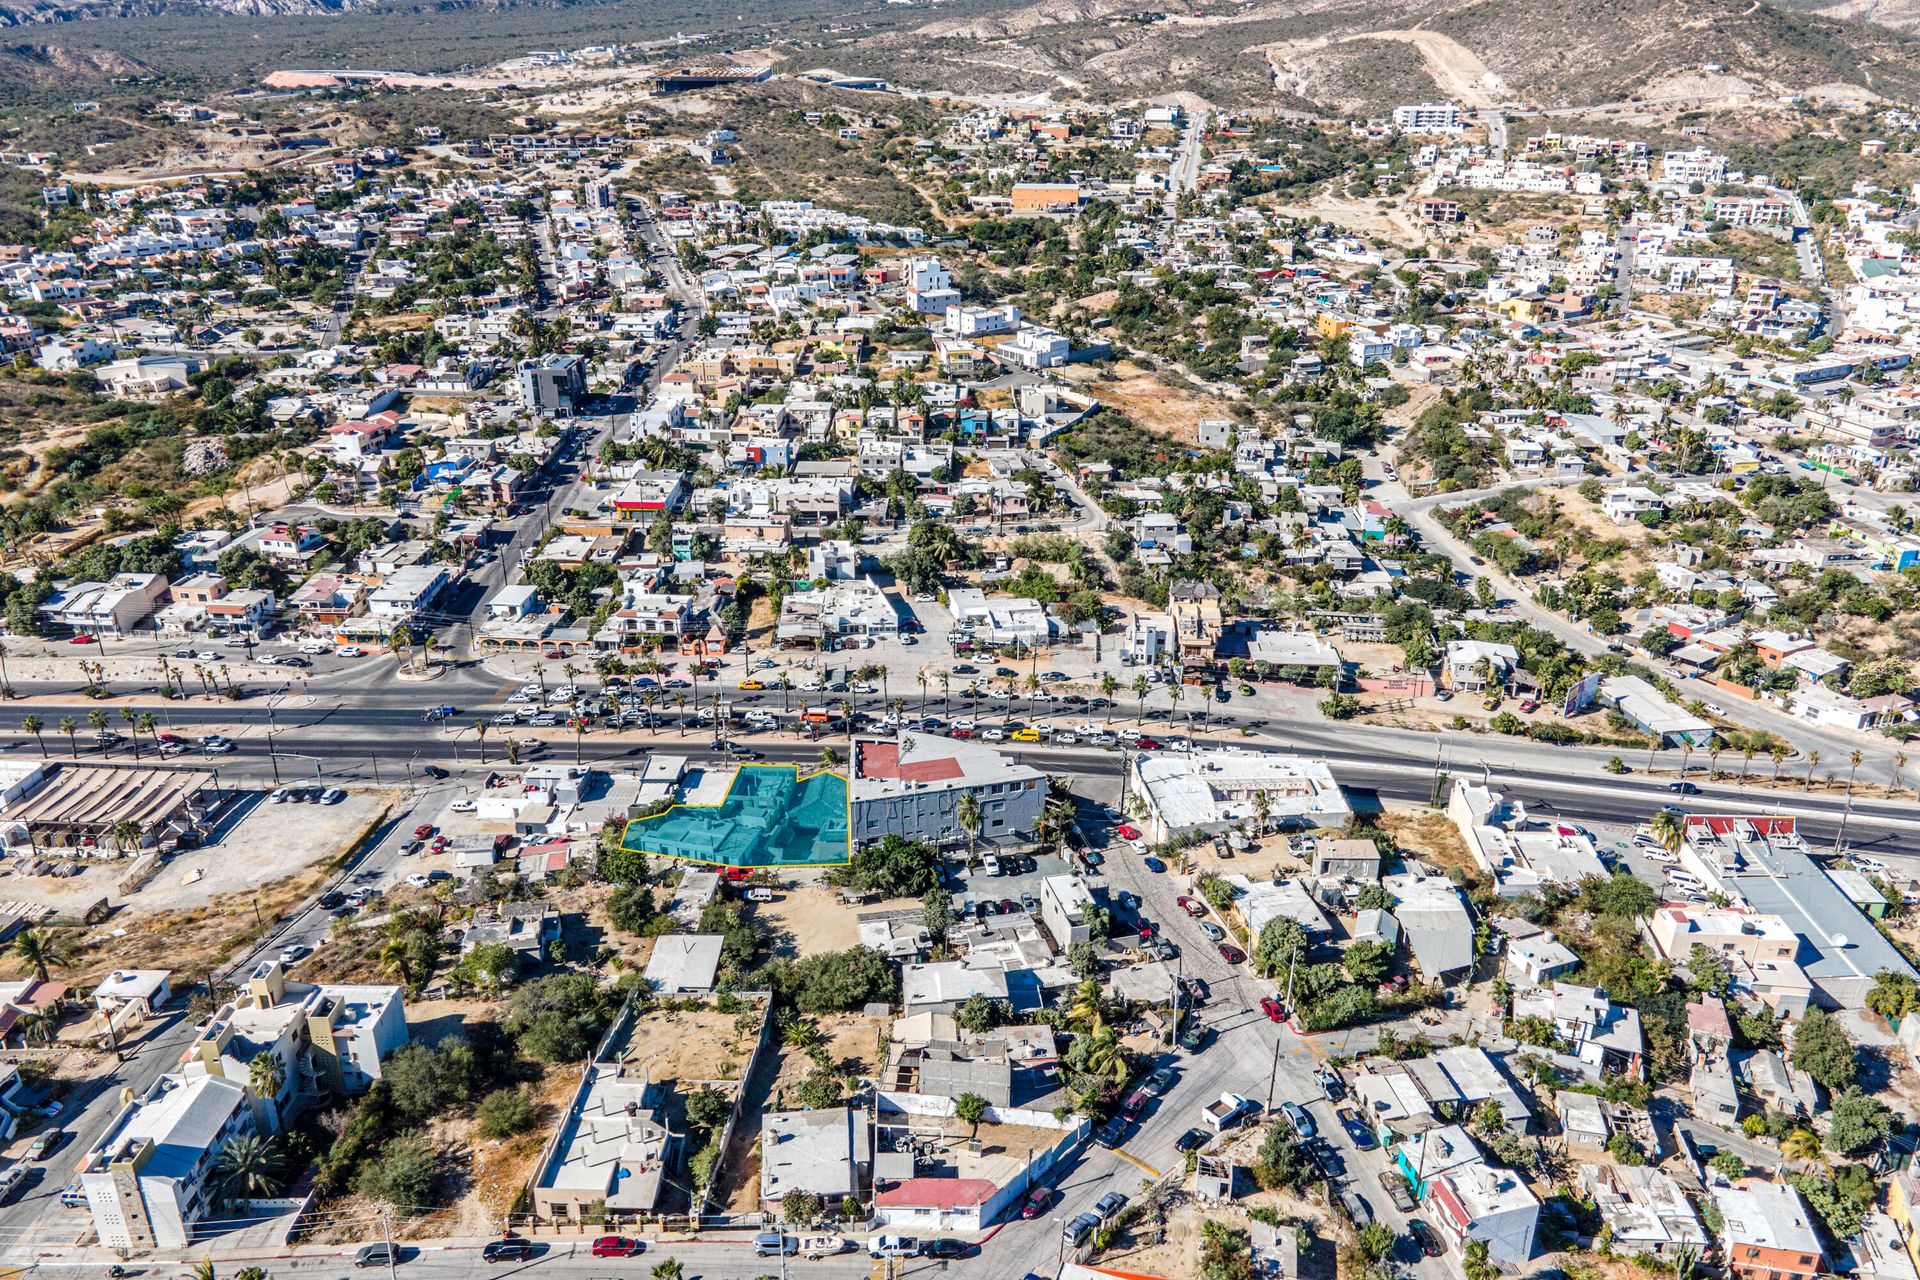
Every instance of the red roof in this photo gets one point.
(935, 1193)
(882, 760)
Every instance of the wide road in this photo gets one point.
(354, 744)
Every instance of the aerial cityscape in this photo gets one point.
(1043, 641)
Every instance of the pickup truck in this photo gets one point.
(1227, 1111)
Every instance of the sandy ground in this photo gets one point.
(1429, 836)
(811, 920)
(1457, 70)
(1142, 396)
(198, 877)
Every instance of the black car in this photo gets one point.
(1426, 1237)
(1192, 1140)
(945, 1247)
(435, 771)
(1195, 1037)
(1109, 1134)
(511, 1249)
(328, 901)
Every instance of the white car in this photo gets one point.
(1715, 709)
(506, 718)
(995, 735)
(964, 724)
(350, 651)
(1662, 856)
(1138, 846)
(1065, 740)
(1870, 866)
(922, 597)
(461, 806)
(419, 880)
(315, 646)
(865, 688)
(279, 795)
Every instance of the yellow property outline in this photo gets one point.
(799, 779)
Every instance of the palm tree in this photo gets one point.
(267, 1074)
(1107, 687)
(967, 813)
(248, 1168)
(1778, 753)
(133, 730)
(829, 757)
(1670, 829)
(69, 726)
(1853, 767)
(1084, 1009)
(395, 957)
(800, 1034)
(1801, 1143)
(33, 725)
(41, 949)
(1141, 686)
(1813, 760)
(126, 835)
(480, 731)
(203, 1269)
(513, 751)
(1746, 762)
(147, 724)
(1713, 759)
(97, 721)
(1899, 763)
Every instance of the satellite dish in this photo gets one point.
(1840, 940)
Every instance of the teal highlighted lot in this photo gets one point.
(772, 817)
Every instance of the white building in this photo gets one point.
(1428, 117)
(1008, 620)
(1214, 791)
(149, 1177)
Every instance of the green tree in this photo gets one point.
(1857, 1121)
(406, 1176)
(971, 1110)
(1709, 972)
(1368, 962)
(1823, 1049)
(1282, 941)
(503, 1113)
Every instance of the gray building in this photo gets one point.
(912, 787)
(554, 384)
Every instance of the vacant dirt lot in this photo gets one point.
(1148, 400)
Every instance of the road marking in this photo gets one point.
(1142, 1165)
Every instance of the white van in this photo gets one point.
(990, 865)
(1685, 879)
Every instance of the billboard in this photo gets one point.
(1581, 693)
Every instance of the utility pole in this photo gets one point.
(1273, 1076)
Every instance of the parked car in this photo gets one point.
(1037, 1203)
(1231, 954)
(1426, 1238)
(1271, 1006)
(507, 1249)
(1192, 1140)
(617, 1247)
(376, 1255)
(1109, 1205)
(946, 1247)
(1298, 1119)
(1192, 906)
(775, 1244)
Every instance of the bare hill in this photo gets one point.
(1364, 54)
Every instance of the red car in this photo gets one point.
(439, 844)
(963, 733)
(616, 1247)
(1037, 1202)
(1231, 954)
(1145, 744)
(171, 737)
(1126, 832)
(422, 831)
(83, 640)
(1146, 931)
(1192, 907)
(1273, 1009)
(1529, 705)
(737, 873)
(555, 654)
